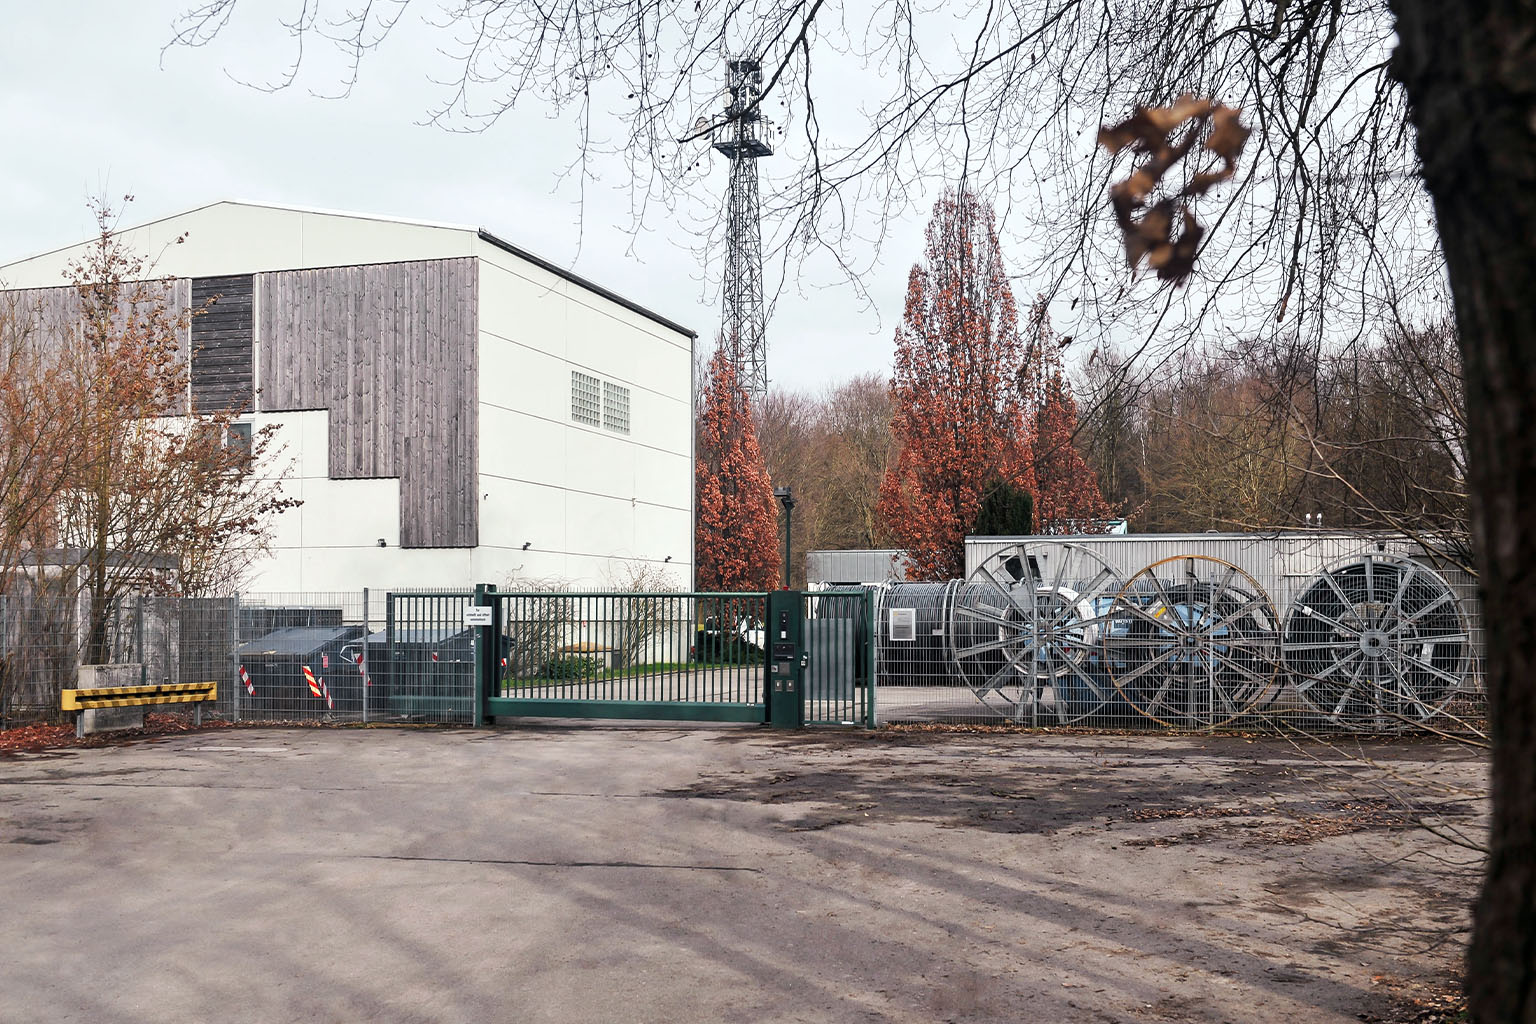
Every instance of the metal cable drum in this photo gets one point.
(912, 634)
(1194, 643)
(1026, 630)
(1378, 641)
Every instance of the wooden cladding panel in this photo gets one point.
(53, 311)
(390, 351)
(222, 342)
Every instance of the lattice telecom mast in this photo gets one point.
(744, 316)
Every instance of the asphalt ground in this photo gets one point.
(578, 872)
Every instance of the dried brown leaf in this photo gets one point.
(1149, 131)
(1227, 134)
(1180, 261)
(1166, 119)
(1121, 135)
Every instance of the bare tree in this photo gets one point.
(1266, 435)
(833, 449)
(1385, 438)
(39, 456)
(857, 448)
(1467, 72)
(1324, 222)
(152, 498)
(539, 619)
(646, 611)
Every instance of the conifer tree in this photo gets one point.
(1067, 494)
(735, 539)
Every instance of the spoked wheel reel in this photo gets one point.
(1025, 632)
(1379, 641)
(1194, 642)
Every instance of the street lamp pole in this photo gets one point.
(787, 499)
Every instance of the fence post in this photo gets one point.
(234, 647)
(362, 665)
(872, 611)
(485, 648)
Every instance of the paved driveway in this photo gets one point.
(593, 873)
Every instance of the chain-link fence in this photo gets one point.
(276, 657)
(41, 648)
(1190, 633)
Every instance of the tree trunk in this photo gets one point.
(1469, 68)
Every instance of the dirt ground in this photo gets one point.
(581, 873)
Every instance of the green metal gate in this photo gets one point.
(679, 657)
(702, 657)
(839, 657)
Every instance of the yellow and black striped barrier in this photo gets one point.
(96, 697)
(131, 696)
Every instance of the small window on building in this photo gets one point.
(240, 437)
(616, 407)
(238, 441)
(586, 399)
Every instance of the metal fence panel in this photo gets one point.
(422, 666)
(838, 638)
(39, 627)
(295, 657)
(684, 655)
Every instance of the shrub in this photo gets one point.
(574, 666)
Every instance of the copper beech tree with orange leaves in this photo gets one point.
(1068, 498)
(959, 421)
(737, 529)
(1067, 495)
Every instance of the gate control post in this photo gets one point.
(481, 614)
(785, 698)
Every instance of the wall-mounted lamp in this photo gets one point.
(527, 544)
(382, 543)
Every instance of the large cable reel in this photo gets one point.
(1025, 632)
(1194, 642)
(1377, 640)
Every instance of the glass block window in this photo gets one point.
(586, 399)
(616, 407)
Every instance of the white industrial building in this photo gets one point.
(452, 409)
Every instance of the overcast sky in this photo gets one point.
(91, 107)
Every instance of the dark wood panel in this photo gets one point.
(390, 351)
(223, 342)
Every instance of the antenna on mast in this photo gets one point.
(744, 318)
